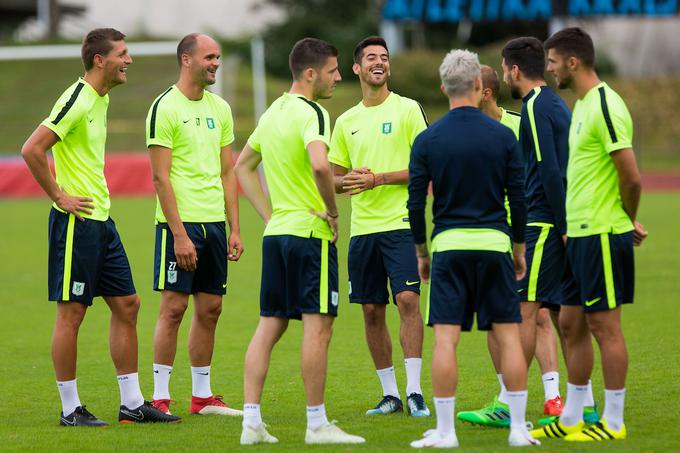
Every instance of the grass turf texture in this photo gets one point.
(30, 403)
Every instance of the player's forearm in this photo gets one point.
(231, 201)
(324, 182)
(168, 202)
(421, 250)
(630, 196)
(252, 189)
(37, 163)
(391, 178)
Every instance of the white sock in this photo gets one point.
(445, 408)
(316, 416)
(502, 395)
(251, 415)
(68, 391)
(388, 380)
(161, 381)
(130, 393)
(573, 407)
(551, 384)
(589, 401)
(200, 381)
(413, 366)
(613, 408)
(518, 409)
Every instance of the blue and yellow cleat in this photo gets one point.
(388, 405)
(590, 416)
(415, 403)
(496, 414)
(597, 432)
(557, 430)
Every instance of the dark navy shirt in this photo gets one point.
(471, 160)
(544, 139)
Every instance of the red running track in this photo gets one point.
(129, 174)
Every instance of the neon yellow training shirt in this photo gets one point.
(79, 120)
(379, 138)
(282, 135)
(196, 132)
(511, 119)
(600, 125)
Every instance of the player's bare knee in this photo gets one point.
(70, 315)
(172, 313)
(408, 303)
(374, 314)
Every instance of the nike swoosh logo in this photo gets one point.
(551, 379)
(591, 302)
(354, 132)
(91, 120)
(204, 374)
(155, 371)
(185, 122)
(410, 283)
(139, 416)
(520, 290)
(73, 423)
(224, 286)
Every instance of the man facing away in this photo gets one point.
(471, 161)
(603, 194)
(189, 132)
(299, 257)
(86, 256)
(370, 151)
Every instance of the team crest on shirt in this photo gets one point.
(387, 128)
(210, 122)
(78, 288)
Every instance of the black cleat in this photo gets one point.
(146, 413)
(81, 417)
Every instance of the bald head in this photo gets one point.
(490, 80)
(189, 43)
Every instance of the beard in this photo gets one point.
(514, 92)
(565, 83)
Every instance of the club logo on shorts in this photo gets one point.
(350, 287)
(78, 288)
(334, 298)
(172, 273)
(387, 128)
(210, 122)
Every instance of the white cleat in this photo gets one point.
(521, 438)
(259, 435)
(331, 434)
(432, 439)
(220, 410)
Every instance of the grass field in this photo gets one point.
(30, 403)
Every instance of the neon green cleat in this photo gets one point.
(556, 430)
(597, 432)
(496, 415)
(590, 416)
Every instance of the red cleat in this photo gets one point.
(213, 405)
(553, 406)
(163, 405)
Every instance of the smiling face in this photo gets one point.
(203, 61)
(374, 67)
(326, 78)
(115, 63)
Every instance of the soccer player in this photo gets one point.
(86, 256)
(603, 194)
(491, 86)
(495, 414)
(471, 268)
(370, 151)
(299, 257)
(189, 132)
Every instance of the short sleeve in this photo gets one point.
(67, 113)
(617, 131)
(254, 139)
(316, 125)
(160, 126)
(227, 125)
(417, 121)
(339, 154)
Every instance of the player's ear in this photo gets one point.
(443, 90)
(356, 69)
(98, 60)
(309, 74)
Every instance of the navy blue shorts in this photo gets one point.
(546, 258)
(604, 269)
(375, 258)
(464, 282)
(86, 260)
(210, 276)
(299, 275)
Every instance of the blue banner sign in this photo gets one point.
(507, 10)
